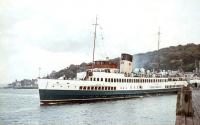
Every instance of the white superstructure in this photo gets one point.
(117, 80)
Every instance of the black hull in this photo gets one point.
(68, 96)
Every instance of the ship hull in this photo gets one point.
(67, 96)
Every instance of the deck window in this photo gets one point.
(80, 87)
(105, 79)
(90, 79)
(99, 88)
(108, 79)
(111, 79)
(114, 88)
(95, 88)
(101, 79)
(84, 88)
(119, 80)
(88, 88)
(94, 79)
(108, 88)
(92, 88)
(105, 88)
(97, 79)
(102, 88)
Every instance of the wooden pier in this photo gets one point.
(188, 107)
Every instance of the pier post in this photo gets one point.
(184, 110)
(184, 102)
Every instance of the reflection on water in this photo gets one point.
(23, 107)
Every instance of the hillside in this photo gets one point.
(173, 58)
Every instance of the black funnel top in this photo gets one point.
(127, 57)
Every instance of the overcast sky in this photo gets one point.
(52, 34)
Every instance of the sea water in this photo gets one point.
(22, 107)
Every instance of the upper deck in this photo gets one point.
(102, 65)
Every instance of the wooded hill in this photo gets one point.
(184, 57)
(171, 58)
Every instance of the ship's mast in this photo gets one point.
(94, 42)
(158, 63)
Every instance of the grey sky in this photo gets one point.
(53, 34)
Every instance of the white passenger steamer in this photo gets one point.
(105, 81)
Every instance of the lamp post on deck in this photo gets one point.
(39, 72)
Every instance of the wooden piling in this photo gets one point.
(184, 102)
(188, 107)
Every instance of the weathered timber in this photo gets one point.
(184, 102)
(188, 107)
(196, 106)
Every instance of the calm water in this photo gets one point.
(22, 107)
